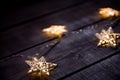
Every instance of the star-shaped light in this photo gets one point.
(55, 30)
(40, 65)
(108, 38)
(108, 13)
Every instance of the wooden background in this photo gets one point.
(77, 54)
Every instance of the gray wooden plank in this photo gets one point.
(108, 69)
(25, 36)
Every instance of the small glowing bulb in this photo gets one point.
(55, 31)
(108, 13)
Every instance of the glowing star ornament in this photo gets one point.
(55, 31)
(40, 65)
(108, 13)
(108, 38)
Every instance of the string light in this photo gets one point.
(108, 13)
(108, 38)
(55, 31)
(40, 65)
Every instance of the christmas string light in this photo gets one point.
(108, 13)
(55, 31)
(40, 65)
(107, 38)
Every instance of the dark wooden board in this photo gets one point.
(108, 69)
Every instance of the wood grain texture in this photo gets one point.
(107, 69)
(77, 54)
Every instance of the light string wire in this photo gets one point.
(51, 45)
(113, 23)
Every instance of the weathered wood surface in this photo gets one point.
(77, 55)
